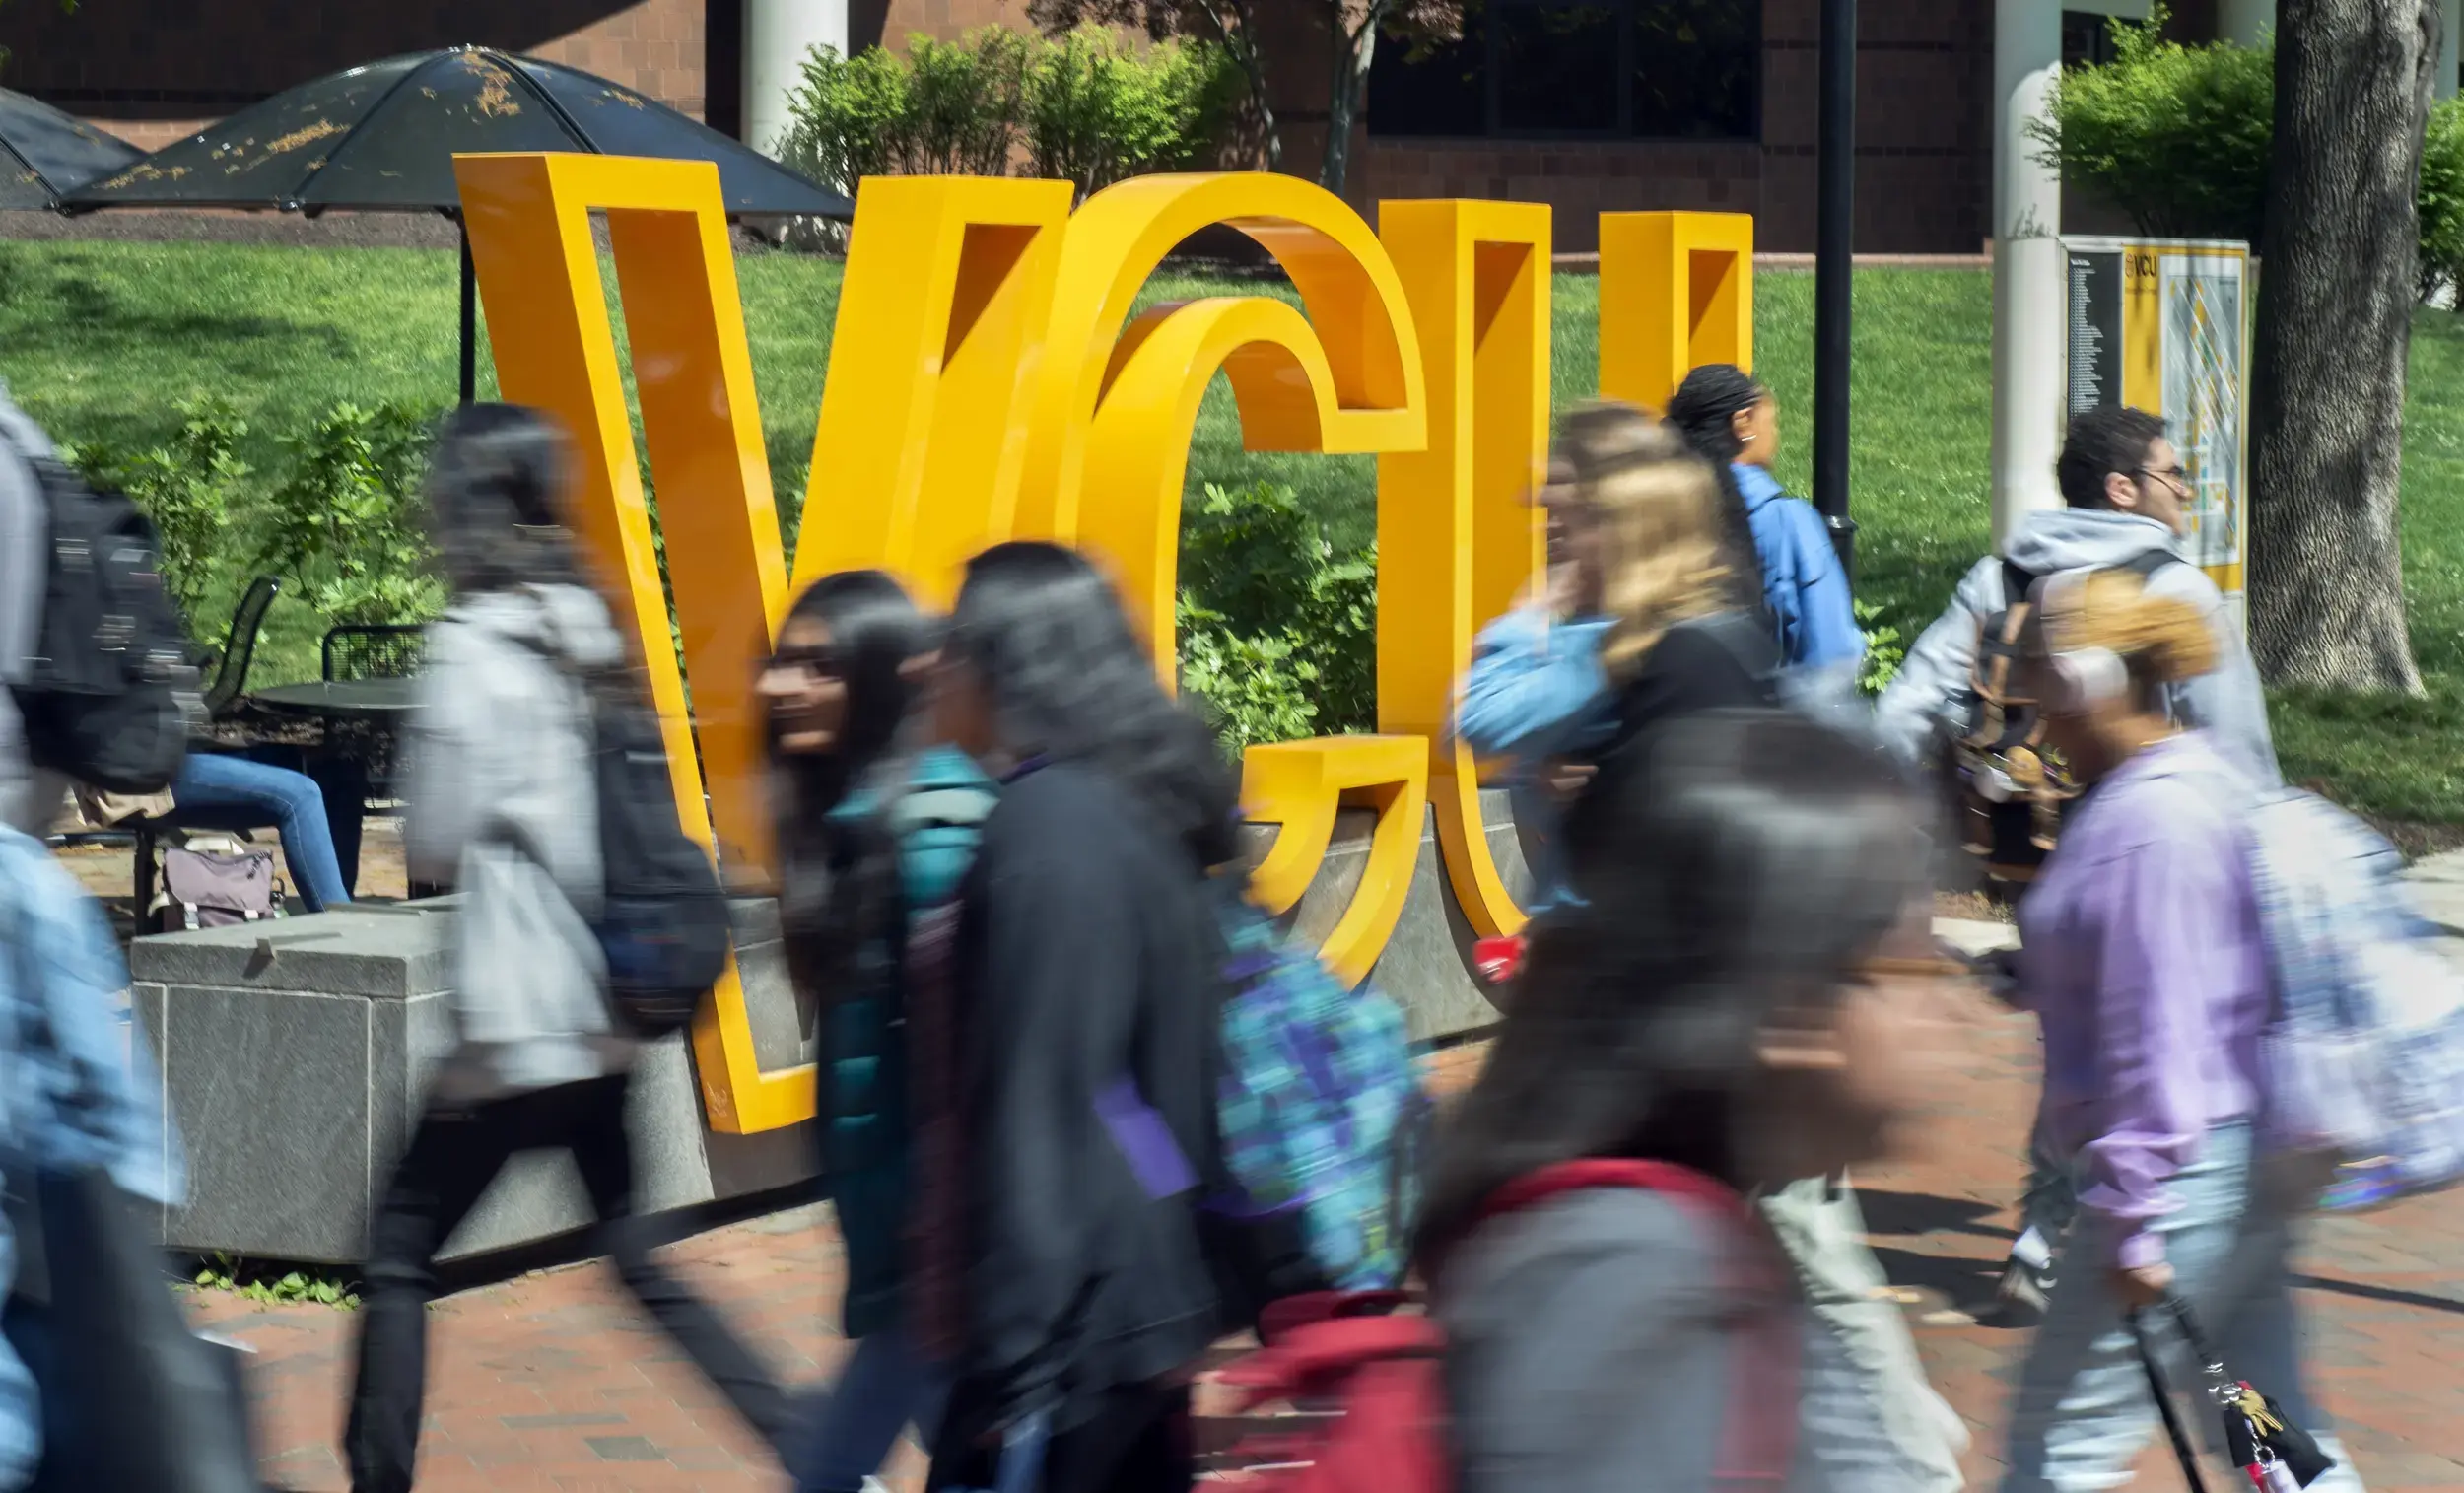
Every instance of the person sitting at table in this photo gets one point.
(215, 791)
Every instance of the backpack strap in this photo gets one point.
(2147, 562)
(1760, 1439)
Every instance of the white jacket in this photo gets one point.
(503, 804)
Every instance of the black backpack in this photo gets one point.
(663, 924)
(112, 695)
(2012, 792)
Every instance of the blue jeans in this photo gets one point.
(218, 792)
(2082, 1412)
(884, 1387)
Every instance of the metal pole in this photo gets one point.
(1834, 268)
(470, 320)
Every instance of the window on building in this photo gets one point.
(1600, 69)
(2086, 38)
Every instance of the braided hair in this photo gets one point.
(1704, 411)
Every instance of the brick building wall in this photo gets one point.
(1923, 144)
(156, 72)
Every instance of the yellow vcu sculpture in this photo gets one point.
(988, 380)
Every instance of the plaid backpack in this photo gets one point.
(1319, 1112)
(2367, 1036)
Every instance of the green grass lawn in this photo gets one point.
(98, 340)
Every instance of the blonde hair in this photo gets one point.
(1656, 507)
(2162, 641)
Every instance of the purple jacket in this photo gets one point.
(2143, 960)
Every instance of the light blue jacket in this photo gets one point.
(1536, 691)
(1802, 584)
(72, 1098)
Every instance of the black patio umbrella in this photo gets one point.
(45, 152)
(382, 137)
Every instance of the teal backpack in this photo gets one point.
(1319, 1111)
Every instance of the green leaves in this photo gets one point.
(228, 1272)
(1096, 110)
(1279, 633)
(2175, 136)
(1884, 650)
(189, 488)
(2442, 199)
(1086, 105)
(346, 520)
(341, 519)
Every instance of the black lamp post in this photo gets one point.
(1833, 272)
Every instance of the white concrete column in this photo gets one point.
(2243, 20)
(776, 34)
(2450, 18)
(2028, 347)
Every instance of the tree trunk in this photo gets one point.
(2336, 295)
(1352, 53)
(1236, 26)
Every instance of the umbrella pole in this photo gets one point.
(470, 319)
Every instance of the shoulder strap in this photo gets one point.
(2147, 562)
(2017, 582)
(1749, 646)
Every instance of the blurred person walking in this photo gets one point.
(102, 1384)
(1748, 992)
(875, 835)
(1732, 422)
(1639, 622)
(501, 762)
(2143, 955)
(2124, 488)
(1068, 1066)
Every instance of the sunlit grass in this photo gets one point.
(100, 339)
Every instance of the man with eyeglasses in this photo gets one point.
(2126, 491)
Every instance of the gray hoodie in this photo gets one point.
(505, 805)
(1927, 699)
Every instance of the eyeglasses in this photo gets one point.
(2173, 477)
(808, 665)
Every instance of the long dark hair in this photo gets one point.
(838, 878)
(1704, 411)
(1071, 682)
(1742, 874)
(495, 500)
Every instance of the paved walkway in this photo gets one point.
(554, 1382)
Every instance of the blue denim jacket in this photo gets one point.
(1536, 691)
(71, 1093)
(1804, 584)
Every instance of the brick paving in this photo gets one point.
(553, 1381)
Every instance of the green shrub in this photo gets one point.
(2442, 201)
(1279, 633)
(190, 489)
(963, 102)
(346, 520)
(1087, 108)
(2175, 136)
(846, 119)
(1098, 111)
